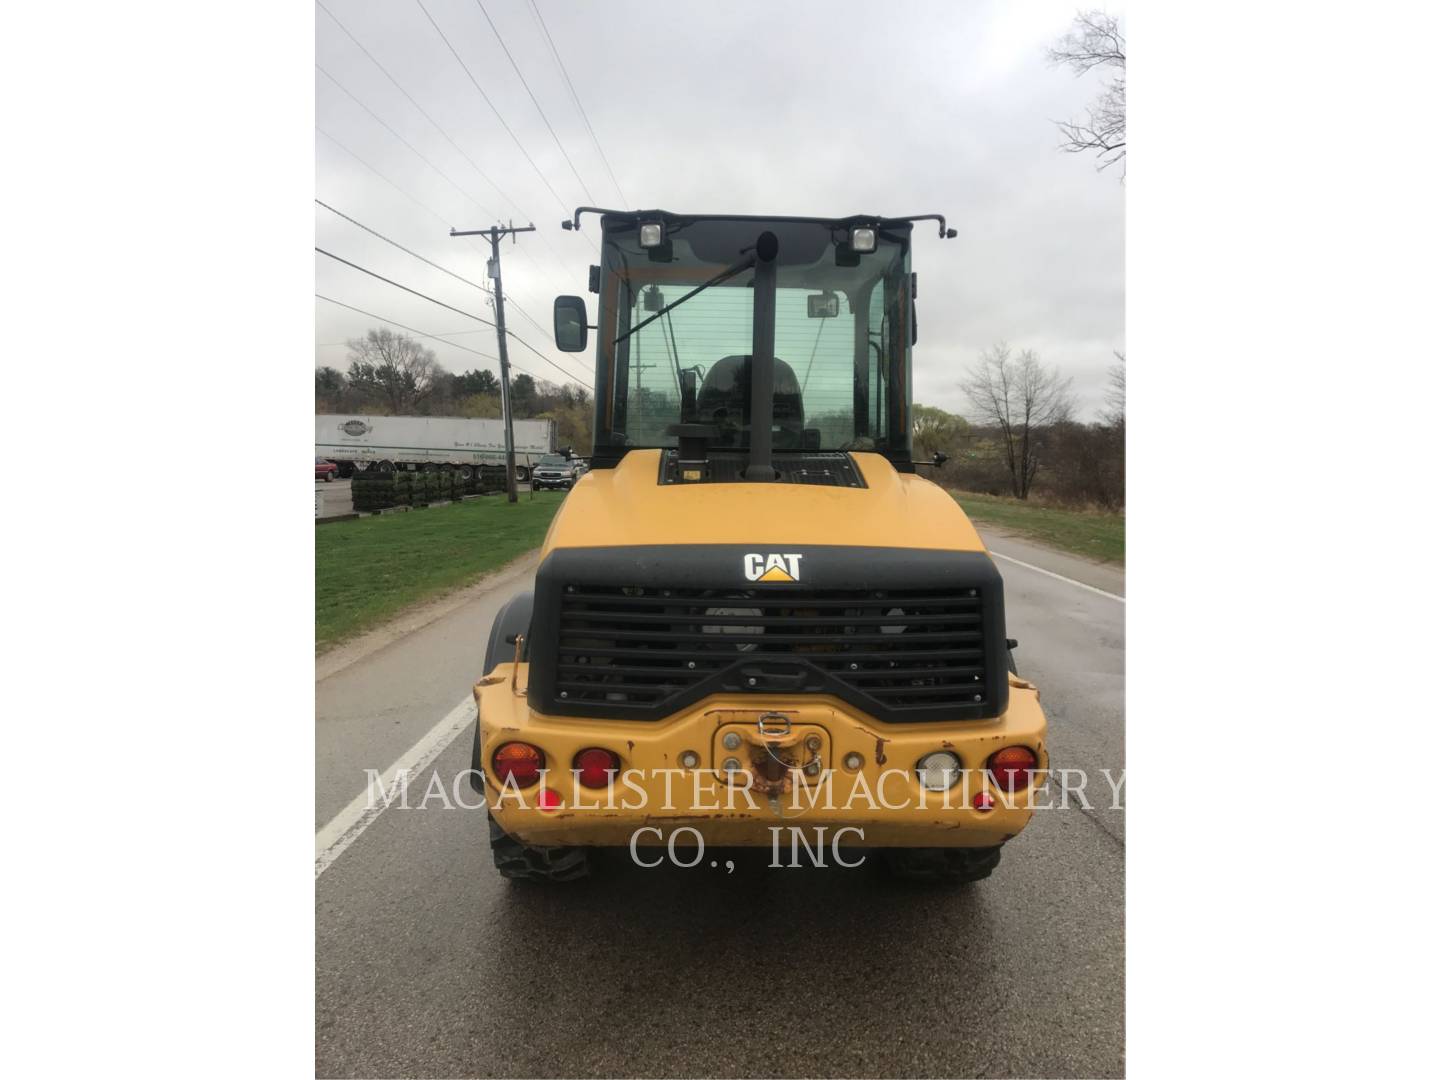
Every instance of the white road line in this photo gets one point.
(345, 828)
(1057, 577)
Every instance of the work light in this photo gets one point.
(938, 771)
(862, 238)
(652, 234)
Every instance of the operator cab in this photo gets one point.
(742, 345)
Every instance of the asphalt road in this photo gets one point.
(429, 964)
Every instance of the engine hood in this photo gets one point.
(628, 506)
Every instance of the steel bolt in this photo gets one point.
(812, 743)
(732, 765)
(691, 665)
(731, 741)
(751, 680)
(564, 693)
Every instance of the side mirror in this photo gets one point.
(940, 458)
(571, 331)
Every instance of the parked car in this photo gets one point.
(554, 471)
(325, 470)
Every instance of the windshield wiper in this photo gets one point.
(725, 275)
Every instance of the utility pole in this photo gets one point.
(494, 233)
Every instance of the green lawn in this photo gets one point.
(369, 569)
(1093, 534)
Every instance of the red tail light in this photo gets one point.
(1011, 768)
(596, 767)
(519, 763)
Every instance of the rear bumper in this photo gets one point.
(881, 801)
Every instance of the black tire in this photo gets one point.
(521, 862)
(384, 466)
(951, 865)
(513, 618)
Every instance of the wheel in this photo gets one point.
(953, 865)
(466, 473)
(522, 474)
(521, 862)
(384, 466)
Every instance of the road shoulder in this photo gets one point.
(1105, 576)
(417, 617)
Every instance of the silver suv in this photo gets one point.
(554, 471)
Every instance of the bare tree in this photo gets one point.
(1023, 400)
(395, 367)
(1096, 40)
(1114, 413)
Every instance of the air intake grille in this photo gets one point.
(892, 650)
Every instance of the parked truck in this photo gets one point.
(356, 443)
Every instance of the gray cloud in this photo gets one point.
(806, 108)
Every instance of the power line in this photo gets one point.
(445, 135)
(403, 140)
(535, 101)
(483, 175)
(423, 206)
(513, 138)
(402, 326)
(402, 247)
(449, 307)
(575, 97)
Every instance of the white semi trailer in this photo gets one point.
(396, 442)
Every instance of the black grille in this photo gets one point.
(640, 633)
(902, 649)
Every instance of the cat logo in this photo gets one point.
(773, 567)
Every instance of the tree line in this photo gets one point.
(392, 374)
(1020, 439)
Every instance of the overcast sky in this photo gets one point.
(823, 109)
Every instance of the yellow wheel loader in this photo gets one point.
(754, 624)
